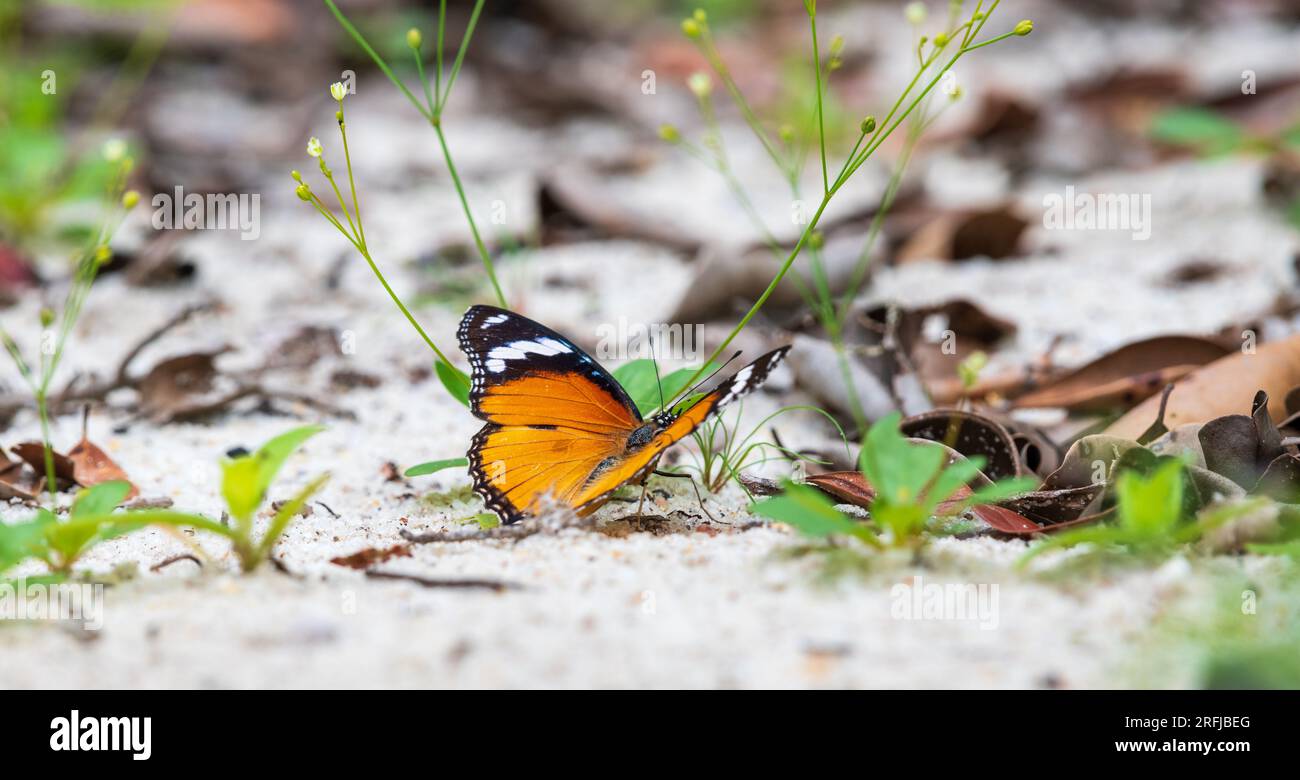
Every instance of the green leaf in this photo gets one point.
(100, 499)
(950, 480)
(811, 512)
(1209, 132)
(1289, 549)
(638, 378)
(1150, 507)
(456, 381)
(435, 466)
(283, 516)
(21, 541)
(898, 469)
(245, 480)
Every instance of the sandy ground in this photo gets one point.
(701, 605)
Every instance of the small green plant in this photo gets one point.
(245, 481)
(724, 453)
(435, 96)
(915, 490)
(1211, 134)
(789, 151)
(39, 377)
(1154, 516)
(61, 543)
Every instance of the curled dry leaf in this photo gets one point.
(993, 233)
(1222, 388)
(969, 434)
(178, 385)
(91, 466)
(1127, 375)
(33, 453)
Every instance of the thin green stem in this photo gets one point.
(424, 80)
(352, 182)
(374, 55)
(817, 70)
(469, 217)
(442, 33)
(460, 57)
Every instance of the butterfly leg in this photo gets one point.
(694, 485)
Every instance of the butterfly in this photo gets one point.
(559, 426)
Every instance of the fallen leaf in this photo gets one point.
(992, 233)
(1223, 387)
(33, 452)
(1127, 375)
(91, 466)
(969, 434)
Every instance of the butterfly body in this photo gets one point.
(557, 424)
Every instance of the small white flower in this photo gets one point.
(114, 149)
(313, 147)
(916, 13)
(338, 91)
(700, 84)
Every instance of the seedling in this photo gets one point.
(911, 481)
(1152, 517)
(724, 453)
(59, 543)
(245, 481)
(39, 377)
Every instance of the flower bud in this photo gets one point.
(114, 149)
(817, 240)
(1024, 27)
(47, 317)
(103, 254)
(129, 199)
(700, 84)
(413, 38)
(868, 125)
(940, 40)
(690, 28)
(296, 176)
(916, 13)
(303, 192)
(670, 134)
(699, 16)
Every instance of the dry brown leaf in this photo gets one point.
(91, 466)
(177, 384)
(1223, 387)
(33, 452)
(1127, 375)
(993, 233)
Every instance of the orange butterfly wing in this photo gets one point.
(558, 425)
(553, 414)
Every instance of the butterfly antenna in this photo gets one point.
(710, 376)
(658, 381)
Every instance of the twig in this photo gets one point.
(176, 559)
(548, 523)
(493, 585)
